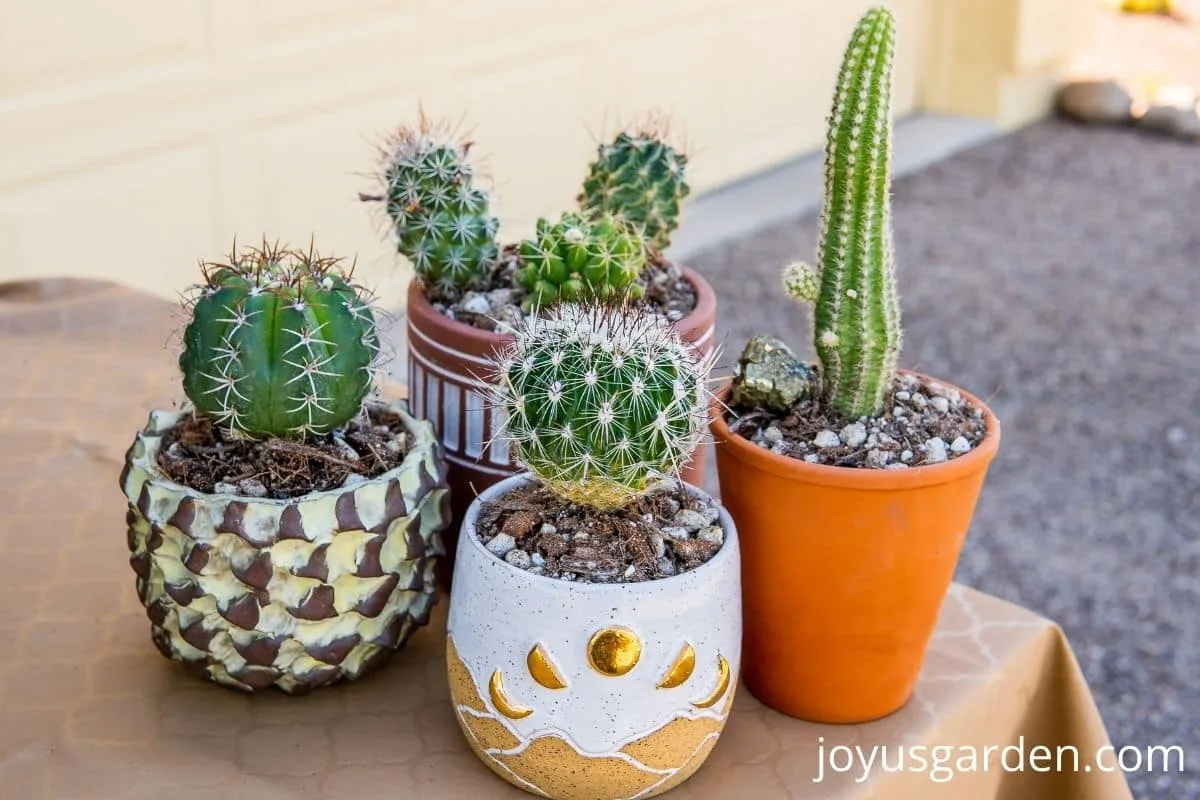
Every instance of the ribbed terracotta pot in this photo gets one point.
(253, 592)
(448, 367)
(844, 571)
(592, 691)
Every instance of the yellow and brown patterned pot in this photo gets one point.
(581, 691)
(300, 593)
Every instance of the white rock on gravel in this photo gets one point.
(691, 520)
(711, 514)
(547, 529)
(906, 456)
(538, 560)
(630, 570)
(476, 304)
(878, 458)
(903, 395)
(665, 566)
(935, 450)
(222, 487)
(960, 445)
(518, 558)
(772, 435)
(896, 465)
(500, 544)
(252, 487)
(899, 411)
(919, 401)
(659, 544)
(854, 434)
(712, 535)
(941, 390)
(676, 533)
(940, 404)
(826, 439)
(813, 458)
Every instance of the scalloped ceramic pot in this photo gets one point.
(596, 691)
(448, 363)
(300, 593)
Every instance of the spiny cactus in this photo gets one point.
(440, 213)
(280, 343)
(601, 403)
(577, 258)
(639, 175)
(856, 319)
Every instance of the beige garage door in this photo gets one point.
(137, 136)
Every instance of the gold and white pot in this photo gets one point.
(300, 593)
(598, 691)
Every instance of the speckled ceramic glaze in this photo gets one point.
(252, 593)
(597, 691)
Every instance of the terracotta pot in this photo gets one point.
(844, 571)
(592, 691)
(256, 592)
(448, 366)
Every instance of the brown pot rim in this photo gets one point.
(450, 330)
(854, 477)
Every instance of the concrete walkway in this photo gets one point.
(1056, 273)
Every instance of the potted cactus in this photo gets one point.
(594, 636)
(283, 529)
(853, 483)
(470, 294)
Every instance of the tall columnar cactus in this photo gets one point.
(601, 403)
(856, 319)
(439, 211)
(580, 258)
(280, 344)
(639, 175)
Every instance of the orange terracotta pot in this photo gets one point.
(844, 571)
(448, 362)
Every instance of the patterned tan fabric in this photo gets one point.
(90, 709)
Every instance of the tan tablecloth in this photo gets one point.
(89, 709)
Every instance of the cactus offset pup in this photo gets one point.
(280, 344)
(856, 316)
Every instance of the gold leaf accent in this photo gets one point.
(681, 669)
(501, 700)
(542, 668)
(614, 651)
(722, 685)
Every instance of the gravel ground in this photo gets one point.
(1056, 273)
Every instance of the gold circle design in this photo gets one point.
(614, 651)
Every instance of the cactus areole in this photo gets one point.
(856, 316)
(601, 403)
(280, 344)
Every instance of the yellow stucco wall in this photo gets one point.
(137, 136)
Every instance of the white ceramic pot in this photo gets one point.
(575, 690)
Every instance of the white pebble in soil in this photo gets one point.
(1176, 435)
(518, 558)
(476, 304)
(935, 450)
(711, 514)
(878, 458)
(854, 434)
(659, 544)
(919, 401)
(948, 392)
(538, 560)
(826, 439)
(547, 529)
(252, 487)
(903, 395)
(630, 570)
(224, 488)
(906, 456)
(712, 535)
(665, 566)
(960, 445)
(772, 435)
(678, 534)
(813, 458)
(940, 404)
(690, 520)
(500, 544)
(896, 465)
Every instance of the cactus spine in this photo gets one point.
(601, 403)
(577, 258)
(279, 344)
(441, 215)
(639, 176)
(857, 313)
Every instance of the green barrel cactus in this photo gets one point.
(581, 258)
(856, 317)
(641, 177)
(438, 208)
(600, 402)
(280, 344)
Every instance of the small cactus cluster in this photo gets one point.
(601, 403)
(856, 316)
(580, 258)
(440, 212)
(280, 344)
(640, 176)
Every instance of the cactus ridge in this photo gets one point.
(438, 207)
(856, 319)
(581, 258)
(600, 402)
(640, 176)
(280, 344)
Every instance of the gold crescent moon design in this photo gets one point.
(542, 668)
(679, 671)
(614, 651)
(722, 685)
(501, 700)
